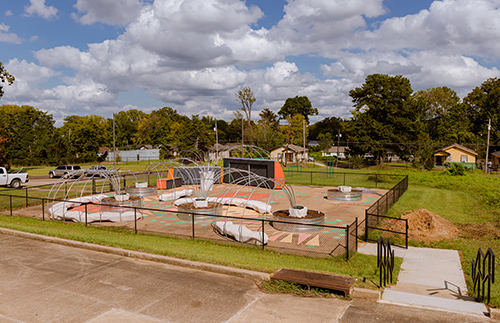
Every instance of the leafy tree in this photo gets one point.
(297, 105)
(5, 77)
(482, 104)
(385, 117)
(127, 126)
(28, 131)
(84, 135)
(330, 125)
(297, 130)
(155, 128)
(267, 133)
(445, 116)
(325, 140)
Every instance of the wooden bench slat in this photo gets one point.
(338, 283)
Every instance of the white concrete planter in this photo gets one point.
(297, 211)
(200, 203)
(207, 181)
(345, 189)
(141, 185)
(122, 197)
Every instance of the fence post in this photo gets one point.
(192, 220)
(10, 205)
(93, 185)
(86, 214)
(376, 180)
(347, 242)
(344, 179)
(26, 189)
(263, 222)
(366, 225)
(43, 209)
(135, 220)
(406, 222)
(311, 178)
(356, 234)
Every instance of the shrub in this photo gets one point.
(456, 169)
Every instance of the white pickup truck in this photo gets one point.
(13, 179)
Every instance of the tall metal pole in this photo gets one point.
(216, 142)
(487, 148)
(114, 146)
(338, 146)
(304, 139)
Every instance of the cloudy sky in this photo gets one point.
(102, 56)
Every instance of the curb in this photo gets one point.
(218, 269)
(366, 294)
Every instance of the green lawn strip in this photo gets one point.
(473, 199)
(361, 266)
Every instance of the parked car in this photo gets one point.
(13, 179)
(101, 171)
(65, 171)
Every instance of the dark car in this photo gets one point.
(66, 170)
(98, 170)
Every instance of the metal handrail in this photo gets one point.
(385, 261)
(486, 274)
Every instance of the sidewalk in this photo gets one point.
(430, 278)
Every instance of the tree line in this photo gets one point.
(387, 116)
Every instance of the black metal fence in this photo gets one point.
(483, 272)
(331, 240)
(377, 212)
(385, 261)
(339, 240)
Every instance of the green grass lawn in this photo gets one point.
(471, 202)
(253, 258)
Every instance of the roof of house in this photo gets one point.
(341, 149)
(103, 149)
(457, 146)
(293, 148)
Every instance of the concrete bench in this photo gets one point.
(336, 283)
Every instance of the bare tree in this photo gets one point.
(246, 98)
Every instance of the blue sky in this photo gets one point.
(102, 56)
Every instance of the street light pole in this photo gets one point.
(487, 148)
(114, 145)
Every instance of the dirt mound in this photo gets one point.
(480, 231)
(424, 225)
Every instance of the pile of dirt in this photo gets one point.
(425, 226)
(480, 231)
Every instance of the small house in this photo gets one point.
(332, 152)
(291, 153)
(455, 154)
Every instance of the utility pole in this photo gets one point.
(287, 142)
(487, 148)
(338, 147)
(304, 140)
(216, 142)
(114, 145)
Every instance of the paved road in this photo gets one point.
(46, 282)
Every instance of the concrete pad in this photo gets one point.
(457, 306)
(365, 294)
(289, 308)
(115, 315)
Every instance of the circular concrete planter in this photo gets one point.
(353, 195)
(200, 213)
(298, 224)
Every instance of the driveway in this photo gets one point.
(46, 282)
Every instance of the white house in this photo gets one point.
(332, 152)
(292, 153)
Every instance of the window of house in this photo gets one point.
(463, 158)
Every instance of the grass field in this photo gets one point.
(471, 202)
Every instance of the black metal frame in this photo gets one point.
(385, 261)
(485, 275)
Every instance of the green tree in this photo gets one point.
(5, 77)
(482, 104)
(127, 126)
(325, 140)
(192, 134)
(385, 117)
(84, 135)
(330, 125)
(29, 133)
(155, 128)
(445, 116)
(267, 134)
(297, 105)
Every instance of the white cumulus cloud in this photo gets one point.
(38, 7)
